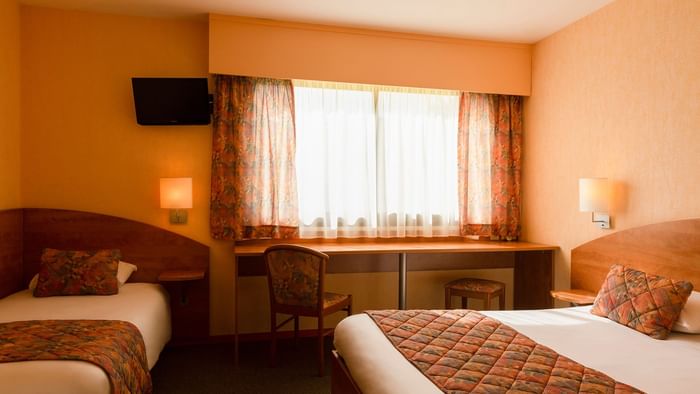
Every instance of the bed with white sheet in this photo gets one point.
(367, 362)
(146, 305)
(621, 353)
(176, 311)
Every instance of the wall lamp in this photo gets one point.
(594, 197)
(176, 195)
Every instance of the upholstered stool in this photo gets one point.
(483, 289)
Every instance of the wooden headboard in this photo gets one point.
(10, 251)
(24, 233)
(670, 249)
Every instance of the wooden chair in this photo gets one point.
(295, 276)
(483, 289)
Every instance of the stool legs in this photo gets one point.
(486, 298)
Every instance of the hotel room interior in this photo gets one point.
(574, 124)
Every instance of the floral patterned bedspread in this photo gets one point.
(115, 346)
(463, 351)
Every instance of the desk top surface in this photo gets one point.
(380, 246)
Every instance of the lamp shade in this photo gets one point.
(593, 195)
(176, 193)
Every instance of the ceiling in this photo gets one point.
(521, 21)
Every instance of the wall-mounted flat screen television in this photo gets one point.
(171, 101)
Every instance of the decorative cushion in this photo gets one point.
(689, 319)
(78, 273)
(647, 303)
(124, 272)
(476, 285)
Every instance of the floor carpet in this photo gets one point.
(210, 369)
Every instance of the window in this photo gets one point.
(376, 161)
(368, 161)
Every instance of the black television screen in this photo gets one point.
(171, 101)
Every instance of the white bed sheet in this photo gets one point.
(146, 305)
(651, 365)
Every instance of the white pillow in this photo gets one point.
(689, 319)
(33, 282)
(124, 271)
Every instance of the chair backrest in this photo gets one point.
(295, 275)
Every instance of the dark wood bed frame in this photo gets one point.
(670, 249)
(24, 233)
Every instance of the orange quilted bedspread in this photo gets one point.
(115, 346)
(463, 351)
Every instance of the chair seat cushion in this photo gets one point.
(476, 285)
(331, 299)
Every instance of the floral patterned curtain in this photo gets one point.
(253, 187)
(489, 162)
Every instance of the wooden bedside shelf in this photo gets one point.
(180, 279)
(574, 296)
(180, 276)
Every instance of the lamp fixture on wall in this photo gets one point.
(176, 195)
(594, 197)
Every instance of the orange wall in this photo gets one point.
(617, 95)
(82, 148)
(9, 105)
(257, 47)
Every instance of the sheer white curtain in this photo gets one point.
(376, 161)
(335, 160)
(417, 164)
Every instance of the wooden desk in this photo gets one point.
(533, 264)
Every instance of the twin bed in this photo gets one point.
(158, 315)
(366, 361)
(146, 305)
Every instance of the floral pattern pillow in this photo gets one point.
(647, 303)
(73, 272)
